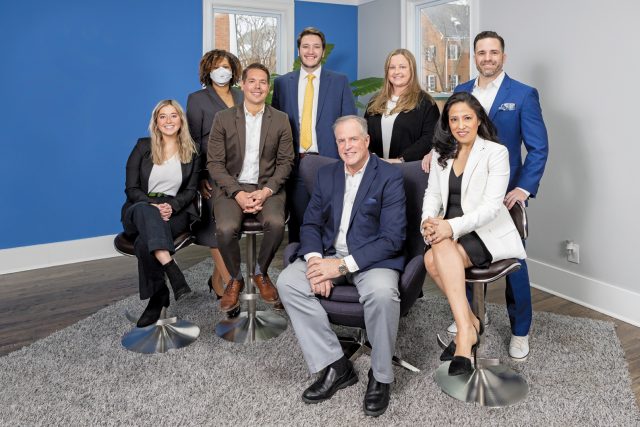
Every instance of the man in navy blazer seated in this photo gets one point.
(514, 108)
(313, 98)
(353, 233)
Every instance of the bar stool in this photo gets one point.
(251, 325)
(490, 383)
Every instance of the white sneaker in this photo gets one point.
(453, 329)
(519, 347)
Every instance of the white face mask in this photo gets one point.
(221, 76)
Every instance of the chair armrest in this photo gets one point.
(411, 282)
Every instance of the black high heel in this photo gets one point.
(151, 314)
(210, 284)
(447, 353)
(461, 365)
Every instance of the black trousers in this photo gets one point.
(297, 200)
(143, 222)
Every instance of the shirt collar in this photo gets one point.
(247, 113)
(316, 73)
(495, 83)
(362, 169)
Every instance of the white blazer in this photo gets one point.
(484, 185)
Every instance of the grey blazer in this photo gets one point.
(202, 107)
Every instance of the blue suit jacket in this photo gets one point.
(335, 99)
(378, 220)
(517, 114)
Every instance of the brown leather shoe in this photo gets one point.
(268, 292)
(230, 299)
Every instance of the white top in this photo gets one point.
(387, 122)
(167, 177)
(487, 95)
(251, 162)
(302, 86)
(351, 186)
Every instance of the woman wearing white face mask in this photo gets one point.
(219, 72)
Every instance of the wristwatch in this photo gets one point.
(342, 268)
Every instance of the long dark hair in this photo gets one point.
(445, 143)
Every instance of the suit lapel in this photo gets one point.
(444, 183)
(264, 129)
(293, 93)
(338, 197)
(501, 96)
(242, 132)
(215, 98)
(323, 89)
(367, 179)
(477, 152)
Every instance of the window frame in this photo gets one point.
(281, 9)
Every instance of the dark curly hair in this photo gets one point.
(445, 143)
(211, 58)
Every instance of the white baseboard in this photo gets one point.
(48, 255)
(604, 297)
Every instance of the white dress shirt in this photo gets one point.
(167, 177)
(487, 96)
(251, 162)
(386, 123)
(302, 86)
(351, 186)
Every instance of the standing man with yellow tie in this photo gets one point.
(313, 98)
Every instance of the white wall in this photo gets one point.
(378, 34)
(581, 57)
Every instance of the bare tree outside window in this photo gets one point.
(444, 35)
(252, 38)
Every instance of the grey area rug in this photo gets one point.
(82, 375)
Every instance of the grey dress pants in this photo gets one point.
(378, 289)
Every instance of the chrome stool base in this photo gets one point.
(164, 335)
(490, 385)
(247, 328)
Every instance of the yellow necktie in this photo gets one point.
(307, 110)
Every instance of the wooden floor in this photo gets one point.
(36, 303)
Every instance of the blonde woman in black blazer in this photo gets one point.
(401, 117)
(160, 186)
(219, 72)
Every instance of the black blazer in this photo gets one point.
(412, 134)
(202, 107)
(139, 167)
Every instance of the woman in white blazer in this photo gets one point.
(464, 219)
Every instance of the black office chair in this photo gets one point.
(491, 383)
(166, 333)
(343, 306)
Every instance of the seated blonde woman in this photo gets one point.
(468, 181)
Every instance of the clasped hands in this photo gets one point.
(252, 202)
(320, 271)
(435, 230)
(165, 210)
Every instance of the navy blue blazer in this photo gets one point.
(335, 100)
(377, 227)
(517, 114)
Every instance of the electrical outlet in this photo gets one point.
(573, 252)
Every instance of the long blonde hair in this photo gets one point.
(409, 99)
(186, 146)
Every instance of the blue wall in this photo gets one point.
(340, 26)
(78, 81)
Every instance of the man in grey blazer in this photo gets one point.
(249, 157)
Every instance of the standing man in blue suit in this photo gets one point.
(354, 230)
(313, 98)
(515, 110)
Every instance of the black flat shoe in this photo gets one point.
(210, 285)
(376, 399)
(330, 382)
(151, 314)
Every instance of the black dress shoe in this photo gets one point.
(329, 382)
(151, 314)
(376, 399)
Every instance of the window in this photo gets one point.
(440, 31)
(253, 30)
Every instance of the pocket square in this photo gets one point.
(507, 106)
(370, 201)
